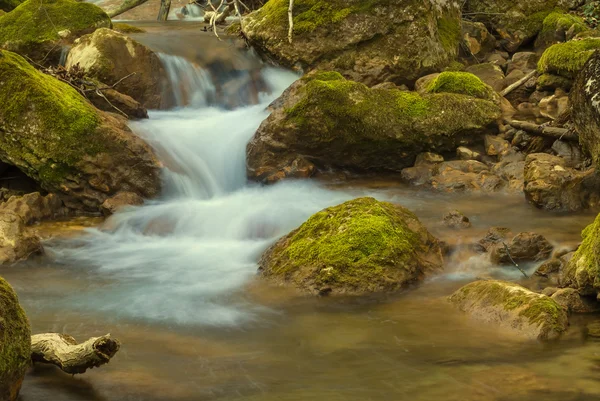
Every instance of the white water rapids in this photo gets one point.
(180, 259)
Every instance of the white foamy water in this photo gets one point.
(192, 86)
(181, 259)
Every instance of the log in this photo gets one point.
(63, 351)
(125, 6)
(520, 82)
(542, 130)
(163, 13)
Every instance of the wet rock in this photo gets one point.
(494, 145)
(458, 181)
(126, 104)
(550, 82)
(110, 56)
(489, 73)
(494, 236)
(69, 147)
(399, 41)
(428, 158)
(16, 243)
(336, 123)
(570, 299)
(358, 247)
(549, 268)
(551, 185)
(120, 201)
(34, 207)
(524, 247)
(464, 153)
(419, 175)
(569, 151)
(512, 307)
(15, 343)
(477, 40)
(582, 271)
(524, 62)
(48, 24)
(456, 220)
(554, 106)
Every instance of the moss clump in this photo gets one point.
(557, 20)
(463, 83)
(551, 82)
(361, 245)
(45, 122)
(36, 23)
(583, 270)
(126, 28)
(15, 341)
(567, 59)
(449, 31)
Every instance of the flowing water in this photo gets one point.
(174, 280)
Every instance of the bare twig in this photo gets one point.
(543, 130)
(513, 261)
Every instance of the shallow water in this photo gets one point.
(175, 282)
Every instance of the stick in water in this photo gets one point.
(512, 260)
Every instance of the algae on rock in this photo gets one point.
(463, 83)
(583, 270)
(360, 246)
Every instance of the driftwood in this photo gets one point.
(63, 351)
(520, 82)
(542, 130)
(125, 6)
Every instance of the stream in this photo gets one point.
(175, 280)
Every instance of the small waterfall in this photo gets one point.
(192, 86)
(64, 52)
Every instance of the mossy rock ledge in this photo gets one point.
(583, 270)
(331, 122)
(15, 343)
(38, 28)
(512, 307)
(52, 134)
(369, 41)
(361, 246)
(567, 59)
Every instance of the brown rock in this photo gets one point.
(456, 220)
(111, 99)
(524, 247)
(15, 242)
(120, 201)
(34, 207)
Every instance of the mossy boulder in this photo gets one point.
(559, 27)
(361, 246)
(15, 343)
(110, 56)
(38, 28)
(463, 83)
(583, 270)
(9, 5)
(512, 307)
(368, 41)
(336, 123)
(52, 134)
(567, 59)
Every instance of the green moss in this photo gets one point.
(15, 336)
(455, 66)
(9, 5)
(449, 31)
(126, 28)
(567, 59)
(583, 270)
(557, 20)
(462, 83)
(551, 82)
(36, 22)
(46, 119)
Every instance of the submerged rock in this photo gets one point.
(583, 270)
(16, 243)
(343, 124)
(15, 343)
(457, 220)
(69, 147)
(523, 247)
(398, 41)
(120, 201)
(38, 28)
(512, 307)
(358, 247)
(110, 56)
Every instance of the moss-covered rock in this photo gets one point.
(559, 27)
(358, 247)
(126, 28)
(550, 82)
(463, 83)
(567, 59)
(37, 28)
(110, 56)
(15, 343)
(583, 270)
(368, 41)
(9, 5)
(512, 307)
(344, 124)
(52, 134)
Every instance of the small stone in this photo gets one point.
(456, 220)
(494, 145)
(428, 158)
(464, 153)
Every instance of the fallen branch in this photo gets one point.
(542, 130)
(290, 20)
(513, 261)
(63, 351)
(125, 6)
(520, 82)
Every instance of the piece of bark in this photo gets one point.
(63, 351)
(542, 130)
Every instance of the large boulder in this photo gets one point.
(110, 56)
(332, 122)
(38, 28)
(583, 270)
(367, 41)
(512, 307)
(52, 134)
(559, 27)
(585, 101)
(358, 247)
(567, 59)
(15, 343)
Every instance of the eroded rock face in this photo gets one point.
(399, 41)
(331, 122)
(120, 201)
(358, 247)
(37, 28)
(512, 307)
(582, 272)
(34, 207)
(69, 147)
(16, 243)
(15, 343)
(109, 56)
